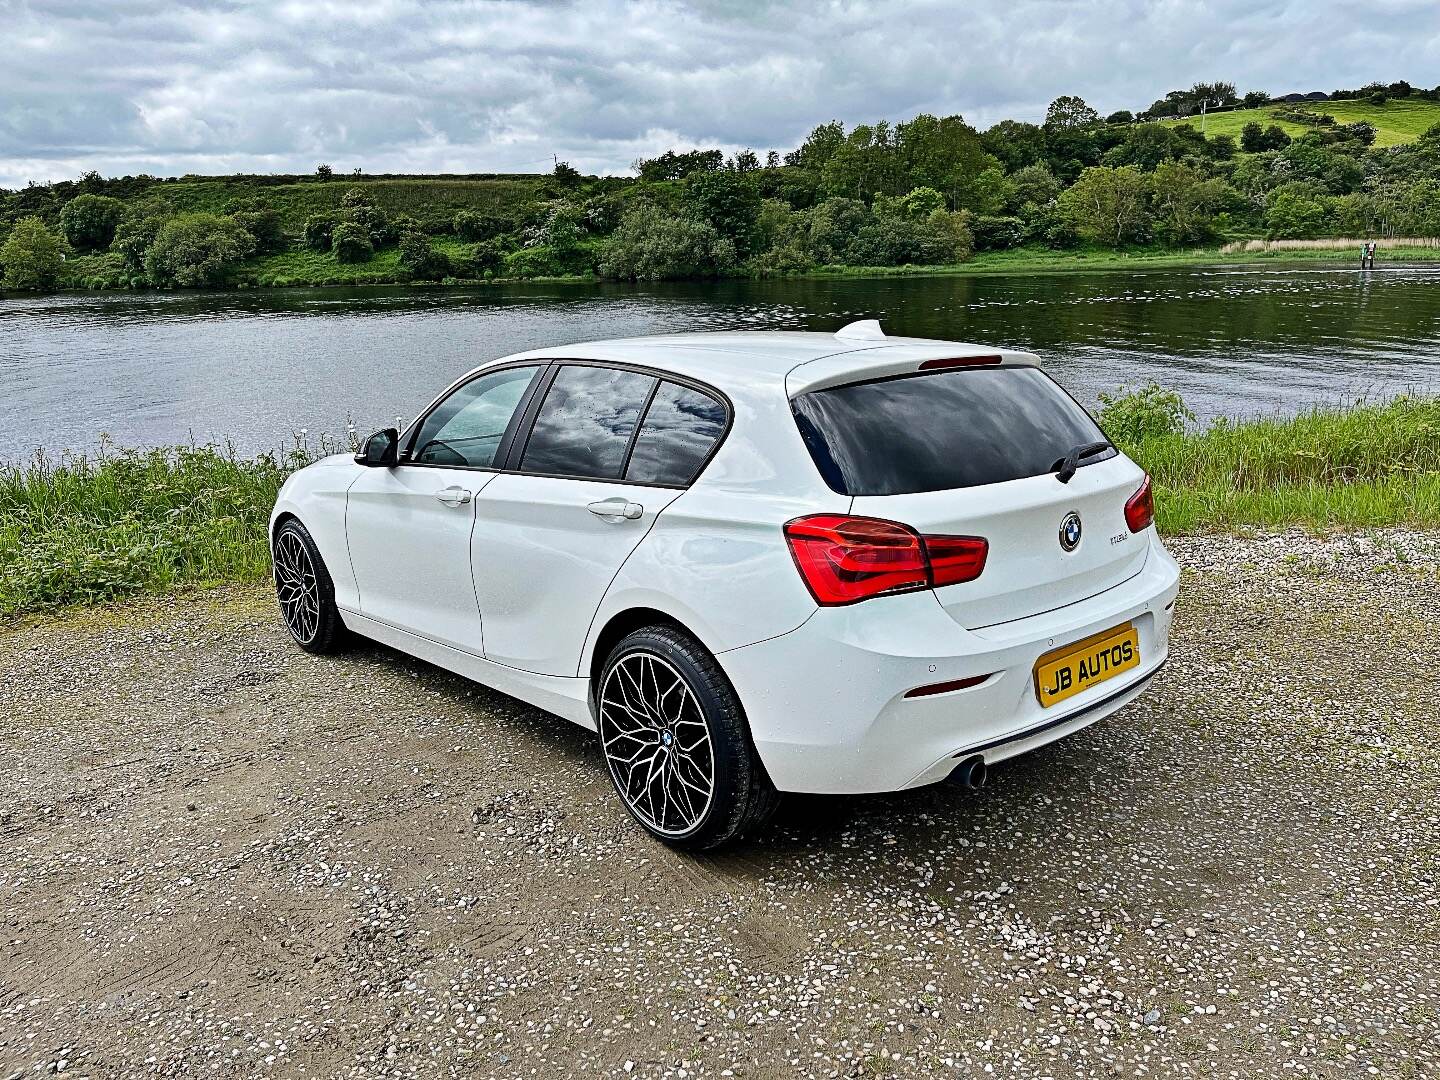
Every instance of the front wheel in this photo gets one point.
(676, 742)
(305, 591)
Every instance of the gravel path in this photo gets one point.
(220, 856)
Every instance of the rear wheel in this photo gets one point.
(305, 591)
(676, 742)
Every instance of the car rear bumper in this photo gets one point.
(827, 705)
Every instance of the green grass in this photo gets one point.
(1364, 466)
(79, 531)
(1398, 121)
(421, 198)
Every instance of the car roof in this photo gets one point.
(799, 360)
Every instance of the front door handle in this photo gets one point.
(616, 508)
(453, 496)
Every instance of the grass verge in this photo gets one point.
(84, 530)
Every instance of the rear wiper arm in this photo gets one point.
(1065, 468)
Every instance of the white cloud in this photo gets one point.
(127, 86)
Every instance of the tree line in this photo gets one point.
(927, 191)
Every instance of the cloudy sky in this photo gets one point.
(176, 86)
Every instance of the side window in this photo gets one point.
(585, 423)
(465, 429)
(680, 429)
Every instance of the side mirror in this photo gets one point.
(381, 450)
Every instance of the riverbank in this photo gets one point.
(310, 269)
(231, 856)
(78, 531)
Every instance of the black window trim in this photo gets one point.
(802, 422)
(522, 423)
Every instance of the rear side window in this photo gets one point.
(951, 429)
(584, 426)
(680, 429)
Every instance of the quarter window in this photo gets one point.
(680, 429)
(466, 429)
(584, 426)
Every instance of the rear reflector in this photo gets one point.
(846, 559)
(946, 687)
(960, 361)
(1140, 508)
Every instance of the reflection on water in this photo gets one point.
(258, 366)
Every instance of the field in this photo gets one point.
(420, 198)
(1397, 121)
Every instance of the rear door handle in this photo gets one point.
(616, 508)
(453, 496)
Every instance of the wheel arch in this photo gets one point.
(617, 626)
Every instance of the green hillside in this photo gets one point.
(1399, 120)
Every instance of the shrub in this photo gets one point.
(31, 256)
(1130, 417)
(652, 245)
(485, 259)
(133, 239)
(420, 261)
(197, 250)
(994, 233)
(88, 221)
(264, 225)
(318, 233)
(473, 226)
(351, 243)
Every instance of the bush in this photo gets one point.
(1131, 417)
(133, 239)
(652, 245)
(196, 250)
(351, 243)
(997, 233)
(420, 261)
(318, 233)
(31, 256)
(264, 225)
(473, 226)
(485, 259)
(88, 221)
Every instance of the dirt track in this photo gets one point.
(221, 856)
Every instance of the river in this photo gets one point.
(257, 367)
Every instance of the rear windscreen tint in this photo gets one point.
(933, 432)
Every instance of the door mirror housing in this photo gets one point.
(381, 450)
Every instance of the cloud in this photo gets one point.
(127, 86)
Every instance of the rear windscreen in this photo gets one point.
(950, 429)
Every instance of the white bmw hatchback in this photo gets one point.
(752, 562)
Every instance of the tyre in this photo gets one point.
(676, 742)
(305, 591)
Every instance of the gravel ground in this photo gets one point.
(220, 856)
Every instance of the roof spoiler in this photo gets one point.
(864, 330)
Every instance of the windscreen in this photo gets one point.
(947, 429)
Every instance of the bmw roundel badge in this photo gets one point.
(1070, 531)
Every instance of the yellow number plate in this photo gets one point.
(1068, 671)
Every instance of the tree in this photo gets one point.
(350, 242)
(88, 222)
(31, 256)
(1069, 112)
(1146, 146)
(1186, 202)
(1254, 99)
(946, 154)
(1034, 185)
(1252, 138)
(324, 172)
(318, 231)
(745, 161)
(566, 175)
(1295, 211)
(1015, 143)
(263, 223)
(1120, 116)
(673, 166)
(195, 250)
(473, 226)
(727, 200)
(1109, 205)
(133, 239)
(654, 244)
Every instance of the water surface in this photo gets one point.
(256, 367)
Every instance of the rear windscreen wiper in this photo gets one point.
(1065, 468)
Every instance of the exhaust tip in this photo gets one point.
(970, 774)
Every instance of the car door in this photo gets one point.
(600, 462)
(409, 527)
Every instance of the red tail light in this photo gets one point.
(847, 559)
(960, 361)
(1140, 509)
